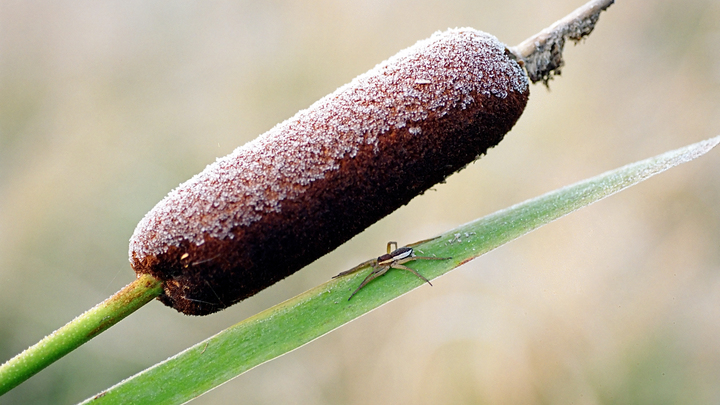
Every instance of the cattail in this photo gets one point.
(314, 181)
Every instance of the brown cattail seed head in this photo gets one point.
(314, 181)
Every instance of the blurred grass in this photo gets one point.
(104, 108)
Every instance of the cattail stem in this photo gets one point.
(542, 52)
(78, 331)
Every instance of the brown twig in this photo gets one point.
(542, 53)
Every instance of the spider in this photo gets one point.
(394, 259)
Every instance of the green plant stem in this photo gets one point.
(78, 331)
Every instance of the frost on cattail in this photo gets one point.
(314, 181)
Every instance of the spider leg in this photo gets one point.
(377, 272)
(371, 262)
(411, 258)
(400, 266)
(390, 244)
(430, 258)
(422, 241)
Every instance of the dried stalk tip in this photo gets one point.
(542, 53)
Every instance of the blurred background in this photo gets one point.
(107, 106)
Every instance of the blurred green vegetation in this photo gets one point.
(105, 107)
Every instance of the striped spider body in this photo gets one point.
(393, 259)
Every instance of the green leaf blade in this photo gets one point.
(322, 309)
